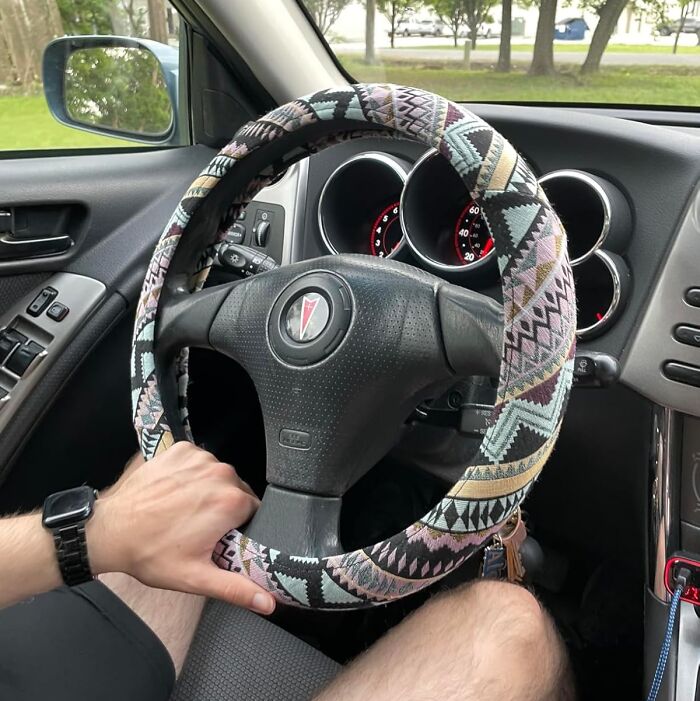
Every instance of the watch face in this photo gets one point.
(69, 507)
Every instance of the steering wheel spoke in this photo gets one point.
(186, 319)
(305, 524)
(472, 331)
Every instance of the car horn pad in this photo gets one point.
(538, 341)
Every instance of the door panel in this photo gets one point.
(123, 200)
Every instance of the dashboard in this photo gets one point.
(627, 194)
(387, 206)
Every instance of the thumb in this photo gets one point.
(235, 589)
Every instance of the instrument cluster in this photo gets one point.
(385, 206)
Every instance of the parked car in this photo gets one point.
(419, 27)
(691, 25)
(572, 29)
(487, 30)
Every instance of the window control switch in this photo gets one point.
(23, 357)
(7, 345)
(9, 340)
(41, 301)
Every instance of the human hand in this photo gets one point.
(161, 520)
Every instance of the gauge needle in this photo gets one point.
(487, 248)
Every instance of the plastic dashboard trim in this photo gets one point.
(652, 344)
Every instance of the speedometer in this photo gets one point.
(386, 233)
(471, 238)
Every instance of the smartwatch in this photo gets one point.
(65, 515)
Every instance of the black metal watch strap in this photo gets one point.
(71, 549)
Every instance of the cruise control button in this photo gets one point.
(23, 357)
(57, 311)
(688, 334)
(680, 372)
(692, 296)
(41, 301)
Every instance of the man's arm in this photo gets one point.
(28, 562)
(158, 523)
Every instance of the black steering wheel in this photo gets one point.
(342, 348)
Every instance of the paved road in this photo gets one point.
(481, 56)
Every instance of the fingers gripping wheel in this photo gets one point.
(312, 325)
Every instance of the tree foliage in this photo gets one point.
(118, 88)
(477, 12)
(452, 13)
(326, 12)
(86, 16)
(463, 15)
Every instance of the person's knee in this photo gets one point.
(513, 631)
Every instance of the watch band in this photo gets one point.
(71, 548)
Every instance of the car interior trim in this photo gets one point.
(80, 295)
(293, 239)
(604, 201)
(284, 192)
(662, 506)
(612, 310)
(431, 262)
(290, 41)
(653, 343)
(385, 161)
(688, 655)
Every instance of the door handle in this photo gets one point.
(12, 248)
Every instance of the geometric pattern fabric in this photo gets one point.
(538, 347)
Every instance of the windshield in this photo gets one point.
(640, 53)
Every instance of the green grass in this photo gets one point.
(566, 47)
(640, 85)
(26, 123)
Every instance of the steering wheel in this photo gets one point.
(342, 348)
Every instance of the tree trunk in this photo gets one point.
(684, 14)
(26, 26)
(370, 56)
(609, 15)
(503, 65)
(543, 51)
(157, 21)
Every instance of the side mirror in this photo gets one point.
(118, 86)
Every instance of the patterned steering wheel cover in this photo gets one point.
(536, 368)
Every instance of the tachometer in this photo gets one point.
(472, 239)
(386, 233)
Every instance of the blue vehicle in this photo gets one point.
(572, 29)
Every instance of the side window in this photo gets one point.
(88, 74)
